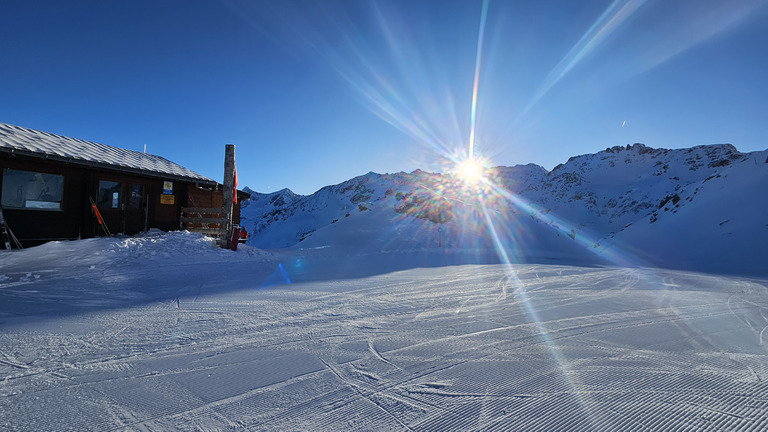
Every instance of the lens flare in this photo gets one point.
(478, 60)
(613, 17)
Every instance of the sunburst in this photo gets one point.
(470, 170)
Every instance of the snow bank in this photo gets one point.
(153, 246)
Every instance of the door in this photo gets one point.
(135, 215)
(122, 206)
(109, 201)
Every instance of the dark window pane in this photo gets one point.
(109, 194)
(32, 190)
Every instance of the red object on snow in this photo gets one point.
(243, 235)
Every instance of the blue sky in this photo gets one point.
(313, 93)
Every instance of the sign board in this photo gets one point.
(167, 187)
(167, 199)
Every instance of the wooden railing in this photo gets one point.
(205, 220)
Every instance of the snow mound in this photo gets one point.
(151, 248)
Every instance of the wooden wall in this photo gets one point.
(213, 198)
(75, 219)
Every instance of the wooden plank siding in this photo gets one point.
(75, 219)
(205, 220)
(205, 212)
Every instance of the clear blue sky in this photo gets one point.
(313, 93)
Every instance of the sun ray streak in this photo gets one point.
(616, 14)
(386, 102)
(478, 60)
(585, 239)
(707, 23)
(570, 376)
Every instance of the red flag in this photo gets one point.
(234, 187)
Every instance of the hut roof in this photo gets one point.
(43, 145)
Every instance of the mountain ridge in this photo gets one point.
(599, 204)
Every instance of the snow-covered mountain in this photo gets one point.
(627, 204)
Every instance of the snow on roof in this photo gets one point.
(33, 143)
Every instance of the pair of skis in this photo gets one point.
(7, 234)
(4, 231)
(99, 218)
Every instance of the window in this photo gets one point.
(32, 190)
(109, 194)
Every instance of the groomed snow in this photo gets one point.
(164, 332)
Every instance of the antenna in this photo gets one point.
(145, 148)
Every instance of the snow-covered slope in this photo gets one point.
(717, 224)
(166, 332)
(632, 204)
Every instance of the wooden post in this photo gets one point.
(229, 180)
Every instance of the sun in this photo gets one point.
(469, 170)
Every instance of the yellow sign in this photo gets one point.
(167, 199)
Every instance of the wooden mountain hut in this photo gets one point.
(50, 183)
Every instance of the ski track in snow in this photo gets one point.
(466, 347)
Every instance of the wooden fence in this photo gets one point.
(205, 220)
